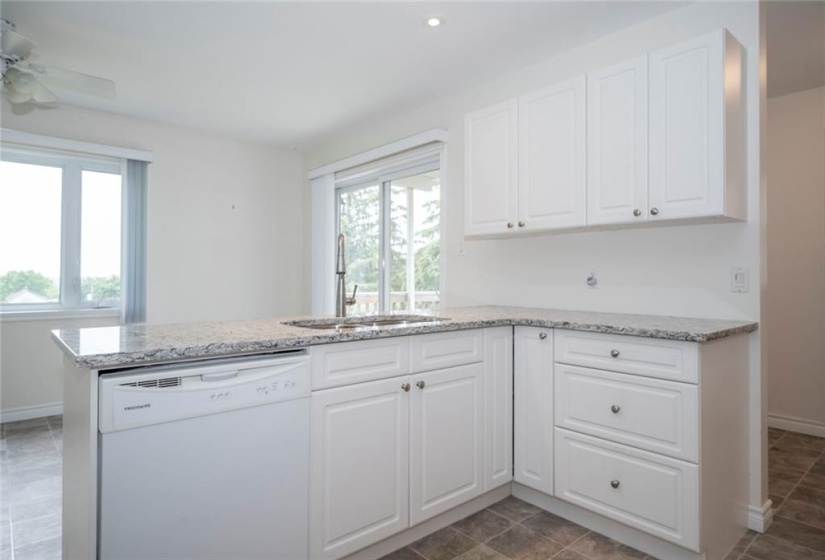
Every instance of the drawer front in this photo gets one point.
(660, 416)
(655, 494)
(334, 365)
(652, 357)
(429, 352)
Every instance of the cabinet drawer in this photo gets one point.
(660, 416)
(666, 359)
(446, 349)
(334, 365)
(655, 494)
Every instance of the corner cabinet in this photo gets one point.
(660, 137)
(416, 426)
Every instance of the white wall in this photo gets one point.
(796, 260)
(667, 271)
(224, 236)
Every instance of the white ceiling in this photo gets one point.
(795, 46)
(292, 74)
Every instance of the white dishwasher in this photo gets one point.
(206, 461)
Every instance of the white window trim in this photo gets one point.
(40, 142)
(323, 214)
(73, 166)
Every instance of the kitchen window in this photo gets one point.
(61, 224)
(392, 224)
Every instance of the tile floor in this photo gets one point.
(30, 512)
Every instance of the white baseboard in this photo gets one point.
(760, 518)
(29, 412)
(796, 425)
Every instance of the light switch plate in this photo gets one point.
(740, 279)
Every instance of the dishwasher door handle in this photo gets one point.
(220, 376)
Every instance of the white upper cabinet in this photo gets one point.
(491, 169)
(551, 170)
(617, 143)
(697, 129)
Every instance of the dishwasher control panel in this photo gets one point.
(142, 398)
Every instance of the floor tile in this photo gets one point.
(568, 554)
(483, 525)
(742, 545)
(519, 543)
(555, 528)
(776, 500)
(779, 487)
(766, 547)
(599, 547)
(5, 536)
(33, 460)
(27, 476)
(806, 505)
(50, 549)
(514, 509)
(37, 507)
(803, 440)
(23, 425)
(816, 476)
(482, 552)
(36, 530)
(790, 448)
(799, 533)
(445, 544)
(774, 435)
(55, 421)
(34, 490)
(405, 553)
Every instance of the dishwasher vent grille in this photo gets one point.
(155, 383)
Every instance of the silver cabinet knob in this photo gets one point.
(509, 225)
(654, 211)
(521, 224)
(614, 353)
(615, 483)
(615, 409)
(406, 387)
(542, 335)
(637, 212)
(419, 384)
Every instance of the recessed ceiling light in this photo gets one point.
(435, 21)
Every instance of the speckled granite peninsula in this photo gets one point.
(108, 347)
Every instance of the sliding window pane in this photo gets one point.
(415, 253)
(359, 219)
(100, 236)
(30, 232)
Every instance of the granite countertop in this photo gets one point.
(142, 344)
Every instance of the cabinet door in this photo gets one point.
(552, 187)
(490, 169)
(687, 128)
(498, 407)
(359, 483)
(617, 143)
(446, 459)
(533, 420)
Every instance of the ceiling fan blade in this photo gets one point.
(15, 97)
(43, 96)
(14, 44)
(71, 80)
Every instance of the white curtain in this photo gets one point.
(134, 241)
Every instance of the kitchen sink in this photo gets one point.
(363, 323)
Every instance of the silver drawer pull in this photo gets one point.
(615, 483)
(419, 384)
(542, 335)
(405, 387)
(614, 353)
(615, 409)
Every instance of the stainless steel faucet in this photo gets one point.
(341, 300)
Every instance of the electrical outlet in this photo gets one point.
(740, 279)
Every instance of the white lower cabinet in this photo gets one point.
(533, 407)
(650, 492)
(359, 481)
(389, 454)
(446, 429)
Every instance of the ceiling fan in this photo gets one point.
(25, 81)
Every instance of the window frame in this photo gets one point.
(72, 167)
(384, 183)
